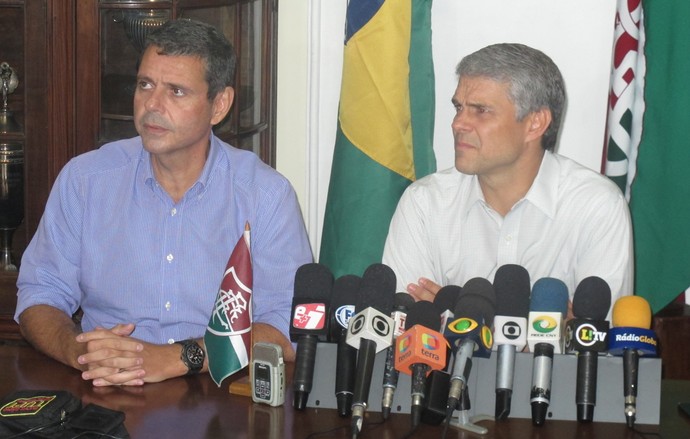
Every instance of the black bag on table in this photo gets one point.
(56, 414)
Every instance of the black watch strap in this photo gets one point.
(192, 356)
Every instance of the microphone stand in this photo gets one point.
(464, 421)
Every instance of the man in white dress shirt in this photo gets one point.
(510, 199)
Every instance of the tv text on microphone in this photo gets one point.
(586, 336)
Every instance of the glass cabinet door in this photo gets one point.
(122, 36)
(244, 23)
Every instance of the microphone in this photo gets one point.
(310, 304)
(402, 302)
(586, 336)
(345, 293)
(371, 331)
(631, 337)
(469, 334)
(512, 286)
(548, 306)
(445, 301)
(419, 350)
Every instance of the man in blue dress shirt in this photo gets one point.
(137, 233)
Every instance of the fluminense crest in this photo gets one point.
(231, 310)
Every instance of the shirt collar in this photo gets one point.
(543, 194)
(475, 196)
(149, 179)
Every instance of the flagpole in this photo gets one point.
(247, 238)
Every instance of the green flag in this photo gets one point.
(228, 334)
(385, 127)
(660, 194)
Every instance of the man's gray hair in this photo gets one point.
(535, 82)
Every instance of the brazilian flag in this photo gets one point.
(385, 127)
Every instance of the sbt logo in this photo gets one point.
(587, 335)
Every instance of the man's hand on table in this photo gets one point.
(114, 358)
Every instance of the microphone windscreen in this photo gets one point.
(343, 300)
(422, 313)
(377, 289)
(549, 295)
(345, 291)
(592, 299)
(476, 307)
(403, 301)
(446, 298)
(313, 281)
(477, 300)
(633, 312)
(381, 276)
(480, 287)
(512, 287)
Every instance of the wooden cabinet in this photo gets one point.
(76, 64)
(112, 32)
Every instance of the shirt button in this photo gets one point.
(509, 238)
(168, 305)
(173, 211)
(170, 257)
(171, 341)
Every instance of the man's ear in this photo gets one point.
(222, 104)
(539, 121)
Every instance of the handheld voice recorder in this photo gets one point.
(268, 374)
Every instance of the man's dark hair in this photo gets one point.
(186, 37)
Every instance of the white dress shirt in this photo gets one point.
(571, 224)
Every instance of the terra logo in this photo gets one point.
(544, 324)
(429, 342)
(404, 344)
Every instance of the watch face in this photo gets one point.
(195, 354)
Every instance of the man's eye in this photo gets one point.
(178, 92)
(144, 85)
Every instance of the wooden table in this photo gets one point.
(193, 407)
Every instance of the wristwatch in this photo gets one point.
(192, 356)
